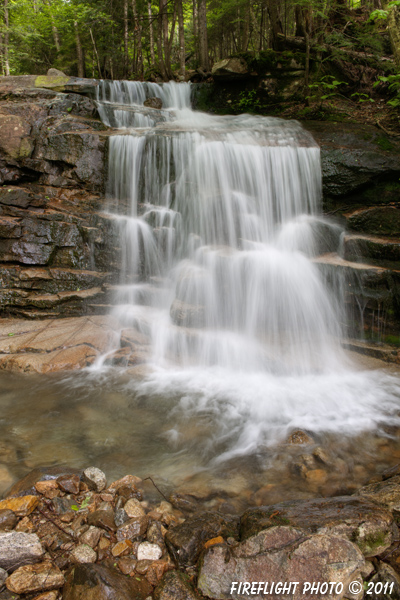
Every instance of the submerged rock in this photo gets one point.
(97, 582)
(364, 523)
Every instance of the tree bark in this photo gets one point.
(275, 21)
(138, 38)
(161, 62)
(6, 38)
(181, 38)
(203, 40)
(79, 52)
(151, 33)
(126, 38)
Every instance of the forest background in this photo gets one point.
(347, 48)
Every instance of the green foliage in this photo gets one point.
(327, 87)
(378, 15)
(394, 86)
(248, 101)
(361, 98)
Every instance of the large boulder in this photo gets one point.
(230, 69)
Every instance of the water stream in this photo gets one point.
(240, 323)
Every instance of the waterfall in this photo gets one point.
(222, 213)
(221, 232)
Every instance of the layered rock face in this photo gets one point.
(56, 248)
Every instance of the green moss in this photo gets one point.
(371, 543)
(384, 143)
(44, 81)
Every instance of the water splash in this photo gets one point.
(221, 234)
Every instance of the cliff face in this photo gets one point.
(59, 253)
(56, 247)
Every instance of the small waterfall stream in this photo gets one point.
(221, 233)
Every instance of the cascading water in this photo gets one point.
(220, 234)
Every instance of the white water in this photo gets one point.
(220, 228)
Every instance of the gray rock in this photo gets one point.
(229, 69)
(120, 517)
(386, 493)
(3, 577)
(147, 551)
(18, 549)
(83, 554)
(153, 103)
(175, 586)
(281, 554)
(366, 524)
(185, 541)
(389, 578)
(132, 529)
(55, 73)
(94, 478)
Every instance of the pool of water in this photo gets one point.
(229, 444)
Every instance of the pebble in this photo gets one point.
(103, 519)
(91, 537)
(8, 519)
(49, 489)
(83, 554)
(130, 481)
(133, 528)
(22, 506)
(47, 596)
(69, 483)
(25, 525)
(133, 508)
(148, 551)
(121, 548)
(3, 577)
(95, 479)
(156, 570)
(120, 517)
(35, 578)
(18, 548)
(127, 565)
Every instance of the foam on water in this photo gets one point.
(220, 226)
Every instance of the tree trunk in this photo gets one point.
(159, 41)
(126, 39)
(95, 52)
(6, 39)
(195, 30)
(203, 40)
(151, 30)
(79, 51)
(138, 38)
(181, 38)
(275, 22)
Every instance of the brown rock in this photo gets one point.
(127, 565)
(91, 537)
(69, 483)
(49, 489)
(83, 554)
(174, 586)
(21, 506)
(133, 528)
(156, 570)
(121, 548)
(25, 525)
(133, 508)
(386, 493)
(103, 519)
(26, 485)
(8, 519)
(97, 582)
(299, 437)
(35, 578)
(153, 103)
(316, 476)
(130, 481)
(47, 596)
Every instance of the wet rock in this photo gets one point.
(388, 577)
(91, 537)
(61, 505)
(230, 69)
(299, 437)
(3, 577)
(185, 541)
(69, 483)
(103, 519)
(383, 220)
(83, 554)
(280, 554)
(129, 481)
(133, 508)
(367, 525)
(35, 578)
(127, 565)
(18, 549)
(156, 570)
(26, 485)
(153, 103)
(49, 489)
(47, 596)
(95, 479)
(175, 586)
(97, 582)
(8, 519)
(21, 506)
(120, 517)
(132, 529)
(121, 548)
(147, 551)
(386, 493)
